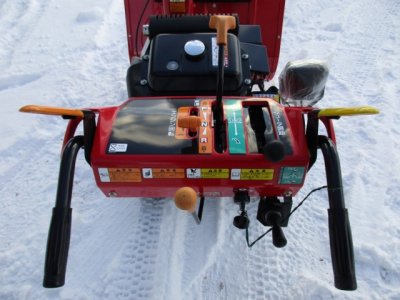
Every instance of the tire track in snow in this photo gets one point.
(17, 175)
(199, 244)
(371, 24)
(17, 24)
(359, 56)
(378, 27)
(262, 262)
(109, 58)
(28, 204)
(96, 244)
(18, 80)
(134, 272)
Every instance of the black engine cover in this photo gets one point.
(193, 73)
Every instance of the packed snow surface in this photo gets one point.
(74, 54)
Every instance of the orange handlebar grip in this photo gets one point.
(222, 24)
(52, 110)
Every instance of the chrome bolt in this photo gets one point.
(145, 57)
(143, 82)
(146, 29)
(113, 194)
(287, 194)
(245, 56)
(247, 81)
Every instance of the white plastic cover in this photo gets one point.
(302, 82)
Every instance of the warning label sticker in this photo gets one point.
(215, 173)
(159, 173)
(215, 51)
(252, 174)
(120, 175)
(193, 173)
(115, 147)
(207, 173)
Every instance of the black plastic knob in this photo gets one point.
(274, 151)
(241, 221)
(278, 237)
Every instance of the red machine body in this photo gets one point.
(266, 13)
(140, 151)
(194, 128)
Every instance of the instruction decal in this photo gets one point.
(161, 173)
(292, 175)
(194, 173)
(236, 139)
(116, 147)
(205, 131)
(252, 174)
(119, 175)
(215, 173)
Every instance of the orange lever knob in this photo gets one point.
(222, 24)
(191, 122)
(186, 199)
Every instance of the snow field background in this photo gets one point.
(74, 54)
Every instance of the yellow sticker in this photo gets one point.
(124, 175)
(256, 174)
(215, 173)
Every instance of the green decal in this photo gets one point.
(291, 175)
(233, 109)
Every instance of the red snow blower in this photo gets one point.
(199, 123)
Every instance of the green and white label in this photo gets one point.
(292, 175)
(236, 138)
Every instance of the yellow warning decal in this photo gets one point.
(215, 173)
(124, 175)
(256, 174)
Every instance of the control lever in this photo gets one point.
(222, 24)
(186, 199)
(278, 237)
(241, 221)
(272, 148)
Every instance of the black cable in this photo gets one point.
(283, 220)
(138, 26)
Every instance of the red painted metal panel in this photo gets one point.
(223, 186)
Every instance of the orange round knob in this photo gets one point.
(186, 199)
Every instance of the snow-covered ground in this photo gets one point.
(74, 54)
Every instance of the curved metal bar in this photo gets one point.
(60, 225)
(341, 241)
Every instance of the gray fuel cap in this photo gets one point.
(194, 48)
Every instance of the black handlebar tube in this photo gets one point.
(341, 241)
(218, 112)
(60, 225)
(89, 130)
